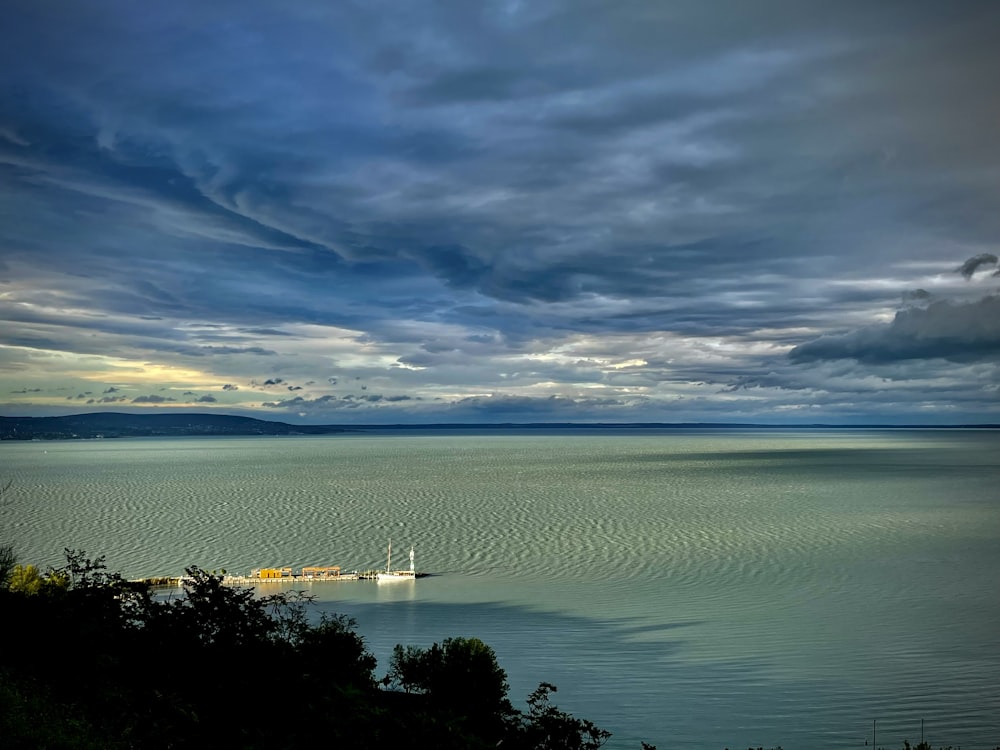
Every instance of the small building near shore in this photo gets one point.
(316, 571)
(271, 573)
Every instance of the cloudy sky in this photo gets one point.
(556, 210)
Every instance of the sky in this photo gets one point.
(551, 211)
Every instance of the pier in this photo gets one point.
(252, 580)
(306, 574)
(275, 575)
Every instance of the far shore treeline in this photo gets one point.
(98, 425)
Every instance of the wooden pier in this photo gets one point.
(308, 574)
(293, 578)
(256, 580)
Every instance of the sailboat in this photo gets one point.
(397, 575)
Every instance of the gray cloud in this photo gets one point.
(450, 198)
(298, 402)
(917, 297)
(259, 351)
(109, 400)
(152, 399)
(943, 330)
(973, 264)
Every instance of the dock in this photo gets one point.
(252, 580)
(308, 574)
(286, 577)
(364, 575)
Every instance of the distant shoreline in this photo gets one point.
(114, 425)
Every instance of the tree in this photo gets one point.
(407, 667)
(213, 614)
(462, 687)
(8, 560)
(461, 679)
(134, 671)
(7, 557)
(333, 653)
(25, 579)
(547, 728)
(461, 672)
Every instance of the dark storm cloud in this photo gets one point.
(917, 296)
(142, 144)
(331, 403)
(110, 400)
(375, 398)
(265, 332)
(152, 399)
(255, 350)
(449, 180)
(972, 265)
(298, 402)
(924, 329)
(943, 330)
(29, 325)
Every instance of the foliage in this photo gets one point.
(459, 671)
(30, 719)
(25, 579)
(221, 667)
(333, 648)
(8, 562)
(927, 746)
(176, 673)
(406, 669)
(463, 686)
(548, 728)
(8, 559)
(90, 660)
(462, 682)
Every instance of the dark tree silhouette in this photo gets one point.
(91, 660)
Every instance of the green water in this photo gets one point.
(705, 589)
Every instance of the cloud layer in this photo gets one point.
(501, 211)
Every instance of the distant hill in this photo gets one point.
(114, 425)
(166, 424)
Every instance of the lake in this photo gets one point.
(698, 588)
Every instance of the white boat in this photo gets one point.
(397, 575)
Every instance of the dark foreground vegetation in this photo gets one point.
(91, 660)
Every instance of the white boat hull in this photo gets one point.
(389, 577)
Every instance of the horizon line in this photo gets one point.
(541, 424)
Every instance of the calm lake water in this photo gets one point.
(697, 589)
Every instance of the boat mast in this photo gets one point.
(411, 560)
(388, 560)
